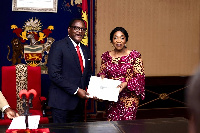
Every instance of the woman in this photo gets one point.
(124, 65)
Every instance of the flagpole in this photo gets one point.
(85, 40)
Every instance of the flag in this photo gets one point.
(85, 18)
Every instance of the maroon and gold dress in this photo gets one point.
(126, 69)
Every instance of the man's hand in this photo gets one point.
(82, 93)
(11, 113)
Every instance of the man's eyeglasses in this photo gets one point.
(78, 28)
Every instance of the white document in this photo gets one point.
(105, 89)
(19, 122)
(33, 121)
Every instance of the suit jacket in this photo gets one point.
(3, 101)
(65, 74)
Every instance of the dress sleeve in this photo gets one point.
(135, 77)
(103, 70)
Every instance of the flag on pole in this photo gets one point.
(85, 18)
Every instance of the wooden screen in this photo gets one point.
(165, 32)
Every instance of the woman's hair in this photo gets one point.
(118, 29)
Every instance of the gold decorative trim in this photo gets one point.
(35, 9)
(164, 96)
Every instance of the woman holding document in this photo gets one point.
(126, 66)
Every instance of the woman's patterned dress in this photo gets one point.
(126, 69)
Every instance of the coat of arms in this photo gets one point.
(36, 51)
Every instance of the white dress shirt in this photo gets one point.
(80, 50)
(81, 55)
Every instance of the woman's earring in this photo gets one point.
(125, 45)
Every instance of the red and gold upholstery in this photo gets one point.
(10, 91)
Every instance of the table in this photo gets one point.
(160, 125)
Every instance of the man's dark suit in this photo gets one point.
(65, 73)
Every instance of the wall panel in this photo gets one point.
(165, 32)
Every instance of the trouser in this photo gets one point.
(66, 116)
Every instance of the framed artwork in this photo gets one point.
(35, 5)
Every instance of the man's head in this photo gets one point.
(76, 30)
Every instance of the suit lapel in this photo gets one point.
(85, 56)
(74, 53)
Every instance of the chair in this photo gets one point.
(32, 79)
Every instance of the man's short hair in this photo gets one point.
(75, 19)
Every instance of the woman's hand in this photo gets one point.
(122, 86)
(102, 76)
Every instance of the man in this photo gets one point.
(69, 69)
(6, 108)
(193, 102)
